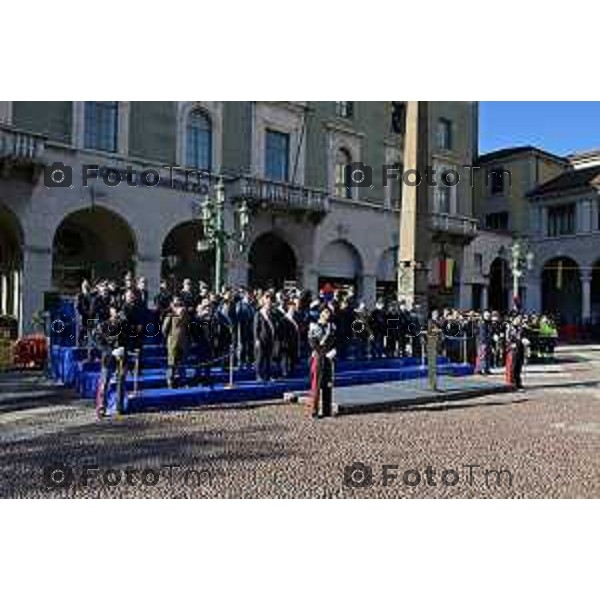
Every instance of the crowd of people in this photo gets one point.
(274, 329)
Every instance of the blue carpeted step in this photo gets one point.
(245, 391)
(153, 378)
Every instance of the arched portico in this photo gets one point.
(11, 263)
(185, 254)
(562, 289)
(91, 243)
(272, 262)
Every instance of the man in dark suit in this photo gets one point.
(188, 297)
(264, 339)
(289, 340)
(163, 300)
(245, 312)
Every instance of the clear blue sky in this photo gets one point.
(559, 127)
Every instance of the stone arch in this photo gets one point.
(91, 243)
(561, 289)
(272, 261)
(499, 289)
(185, 254)
(341, 264)
(11, 262)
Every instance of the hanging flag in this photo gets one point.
(559, 275)
(442, 273)
(449, 280)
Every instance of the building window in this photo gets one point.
(478, 260)
(561, 220)
(497, 220)
(101, 126)
(396, 186)
(342, 160)
(198, 138)
(277, 151)
(442, 196)
(495, 179)
(344, 109)
(444, 134)
(398, 123)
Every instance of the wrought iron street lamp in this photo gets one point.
(212, 215)
(521, 261)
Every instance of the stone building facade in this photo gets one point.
(286, 158)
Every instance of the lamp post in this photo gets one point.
(212, 215)
(521, 261)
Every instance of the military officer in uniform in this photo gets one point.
(175, 332)
(321, 337)
(111, 338)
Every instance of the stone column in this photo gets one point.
(465, 295)
(149, 267)
(586, 296)
(484, 297)
(368, 289)
(414, 236)
(310, 278)
(6, 112)
(3, 294)
(534, 294)
(237, 272)
(37, 272)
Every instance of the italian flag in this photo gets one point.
(446, 266)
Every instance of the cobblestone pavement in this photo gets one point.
(544, 442)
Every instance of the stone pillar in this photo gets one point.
(149, 267)
(544, 224)
(368, 289)
(237, 272)
(586, 296)
(37, 272)
(465, 296)
(415, 241)
(6, 112)
(3, 294)
(310, 278)
(484, 297)
(534, 294)
(16, 299)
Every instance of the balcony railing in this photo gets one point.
(20, 145)
(280, 195)
(453, 224)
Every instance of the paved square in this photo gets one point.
(544, 442)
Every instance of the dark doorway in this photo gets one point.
(499, 285)
(561, 290)
(272, 262)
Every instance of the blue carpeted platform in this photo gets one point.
(71, 367)
(245, 391)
